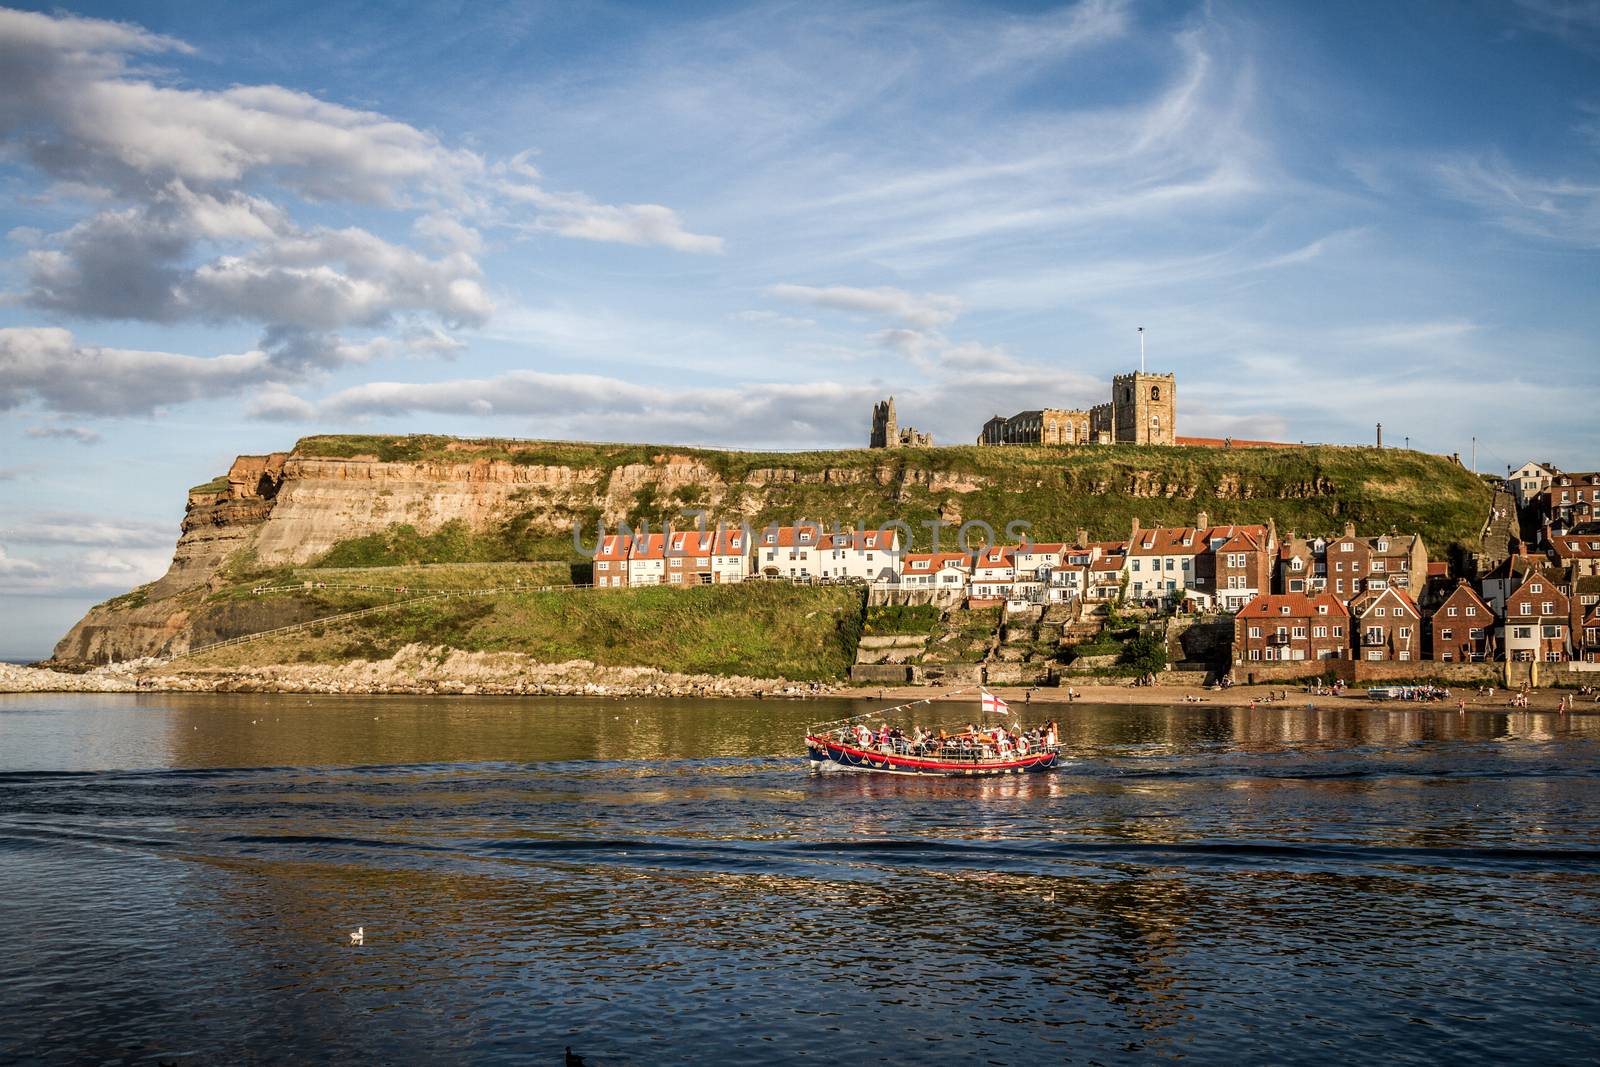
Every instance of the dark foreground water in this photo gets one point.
(663, 882)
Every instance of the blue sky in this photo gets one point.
(226, 226)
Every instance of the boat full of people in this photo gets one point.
(871, 742)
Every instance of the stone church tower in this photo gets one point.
(1144, 408)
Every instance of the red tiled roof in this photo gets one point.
(1300, 605)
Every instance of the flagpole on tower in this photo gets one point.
(1141, 350)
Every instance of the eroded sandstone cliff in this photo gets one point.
(293, 508)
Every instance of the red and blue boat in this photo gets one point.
(966, 752)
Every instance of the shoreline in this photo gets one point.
(582, 678)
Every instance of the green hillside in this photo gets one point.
(1057, 489)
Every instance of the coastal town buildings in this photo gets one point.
(1571, 499)
(1462, 628)
(1579, 552)
(868, 556)
(1538, 622)
(1529, 481)
(935, 570)
(1291, 627)
(1388, 626)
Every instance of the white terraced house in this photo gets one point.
(935, 570)
(1034, 563)
(788, 551)
(867, 555)
(647, 562)
(993, 573)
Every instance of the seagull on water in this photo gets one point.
(573, 1059)
(358, 935)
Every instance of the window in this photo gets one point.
(1547, 608)
(1379, 612)
(1383, 546)
(1405, 654)
(1374, 654)
(1255, 653)
(1445, 635)
(1299, 631)
(1446, 656)
(1338, 631)
(1347, 547)
(1475, 634)
(1255, 631)
(1527, 609)
(1405, 633)
(1283, 610)
(1451, 612)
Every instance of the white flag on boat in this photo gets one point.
(992, 703)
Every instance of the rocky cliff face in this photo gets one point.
(291, 508)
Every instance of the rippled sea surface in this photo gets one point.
(666, 882)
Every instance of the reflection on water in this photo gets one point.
(665, 881)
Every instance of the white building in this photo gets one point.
(789, 552)
(1529, 480)
(934, 570)
(993, 572)
(647, 562)
(869, 555)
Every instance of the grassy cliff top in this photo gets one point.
(1058, 489)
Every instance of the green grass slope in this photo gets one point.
(765, 630)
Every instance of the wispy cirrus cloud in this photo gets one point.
(1559, 209)
(922, 310)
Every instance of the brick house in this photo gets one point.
(1571, 499)
(1589, 639)
(1462, 628)
(1277, 627)
(611, 561)
(705, 557)
(1578, 552)
(1302, 565)
(1538, 622)
(1237, 564)
(1387, 626)
(1349, 564)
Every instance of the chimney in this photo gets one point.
(1272, 533)
(1202, 522)
(1133, 532)
(1083, 537)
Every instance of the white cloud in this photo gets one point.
(49, 366)
(71, 528)
(924, 310)
(578, 215)
(81, 434)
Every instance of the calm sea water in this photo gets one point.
(665, 882)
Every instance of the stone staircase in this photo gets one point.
(1500, 530)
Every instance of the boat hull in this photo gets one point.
(826, 753)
